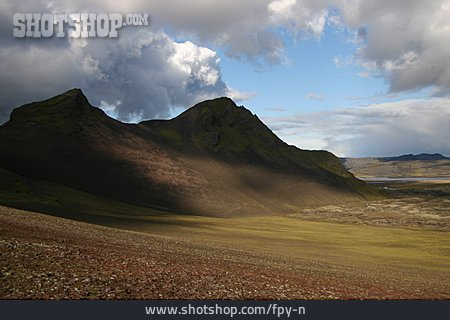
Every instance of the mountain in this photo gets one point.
(416, 157)
(214, 159)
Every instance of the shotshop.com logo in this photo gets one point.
(74, 25)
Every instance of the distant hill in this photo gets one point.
(214, 159)
(416, 157)
(423, 165)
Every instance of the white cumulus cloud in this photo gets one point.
(409, 126)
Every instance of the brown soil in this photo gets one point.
(45, 257)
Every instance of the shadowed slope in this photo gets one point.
(66, 140)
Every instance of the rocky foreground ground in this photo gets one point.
(44, 257)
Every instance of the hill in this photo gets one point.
(416, 157)
(214, 159)
(406, 166)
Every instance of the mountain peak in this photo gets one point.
(219, 112)
(221, 127)
(61, 111)
(219, 107)
(76, 94)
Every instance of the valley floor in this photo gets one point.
(189, 257)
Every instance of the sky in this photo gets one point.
(357, 78)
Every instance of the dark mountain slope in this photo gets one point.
(215, 158)
(66, 140)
